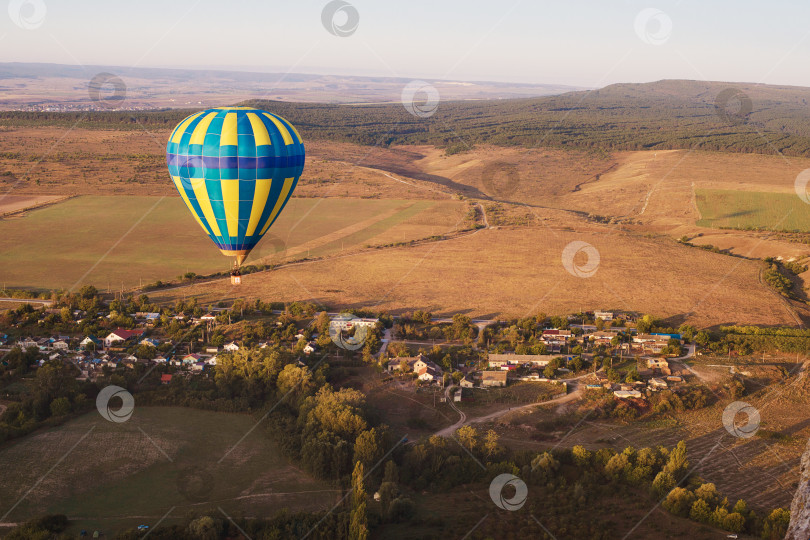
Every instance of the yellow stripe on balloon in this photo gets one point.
(198, 136)
(289, 125)
(230, 201)
(179, 184)
(285, 133)
(288, 184)
(260, 133)
(201, 192)
(178, 133)
(260, 195)
(229, 135)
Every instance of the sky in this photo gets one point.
(575, 42)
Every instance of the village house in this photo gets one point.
(90, 342)
(658, 383)
(27, 343)
(310, 347)
(606, 316)
(627, 394)
(231, 347)
(430, 373)
(512, 361)
(651, 342)
(121, 335)
(657, 363)
(493, 378)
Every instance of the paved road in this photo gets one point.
(28, 301)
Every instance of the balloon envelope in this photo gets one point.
(235, 168)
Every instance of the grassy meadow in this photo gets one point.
(123, 475)
(110, 241)
(725, 209)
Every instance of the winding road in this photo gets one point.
(449, 430)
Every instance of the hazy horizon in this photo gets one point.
(588, 45)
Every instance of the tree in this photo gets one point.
(734, 522)
(679, 501)
(491, 446)
(467, 437)
(401, 509)
(358, 523)
(678, 463)
(663, 483)
(391, 472)
(582, 456)
(368, 447)
(60, 406)
(776, 524)
(645, 324)
(700, 511)
(708, 492)
(204, 528)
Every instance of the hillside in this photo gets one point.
(650, 116)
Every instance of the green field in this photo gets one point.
(726, 209)
(110, 241)
(119, 477)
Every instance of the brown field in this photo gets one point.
(537, 200)
(12, 204)
(487, 275)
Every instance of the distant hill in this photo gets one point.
(65, 87)
(672, 114)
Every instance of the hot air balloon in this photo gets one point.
(235, 168)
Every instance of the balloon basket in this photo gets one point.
(236, 277)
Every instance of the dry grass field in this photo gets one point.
(537, 200)
(519, 272)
